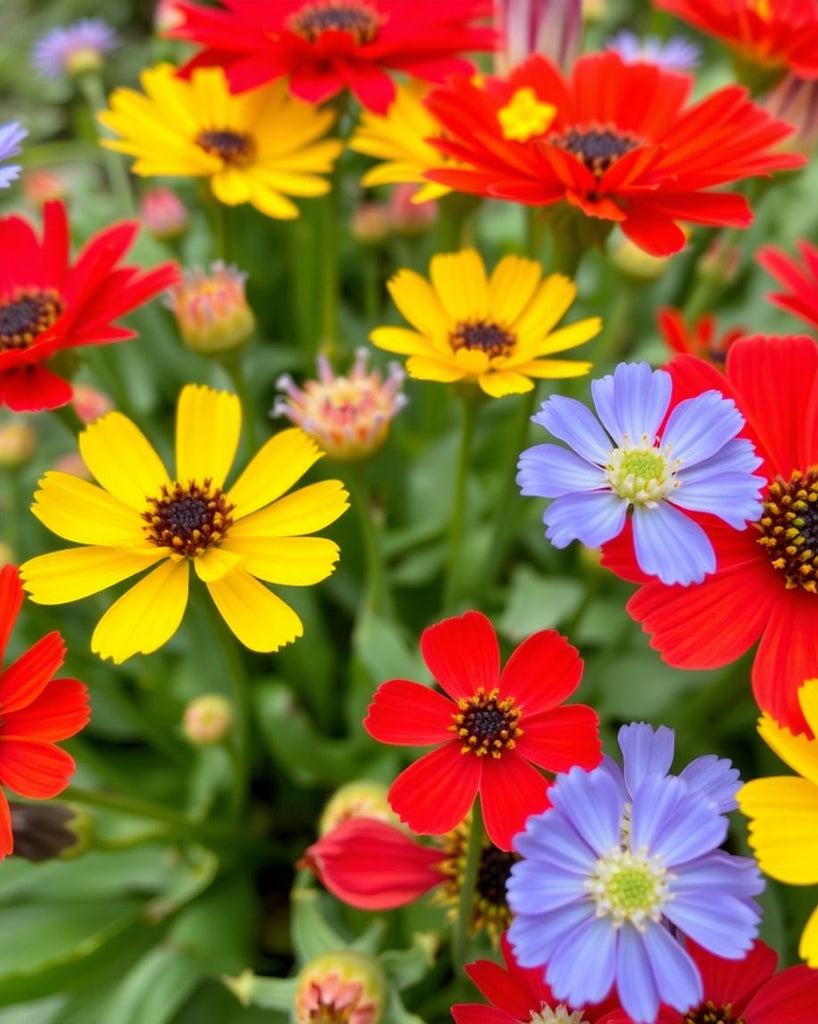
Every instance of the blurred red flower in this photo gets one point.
(800, 280)
(696, 339)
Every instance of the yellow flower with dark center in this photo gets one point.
(257, 147)
(234, 536)
(497, 331)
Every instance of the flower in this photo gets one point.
(256, 148)
(73, 49)
(164, 214)
(90, 403)
(766, 584)
(11, 135)
(698, 338)
(139, 516)
(48, 304)
(347, 416)
(674, 54)
(405, 216)
(489, 729)
(799, 278)
(783, 823)
(325, 46)
(36, 712)
(622, 865)
(642, 168)
(345, 986)
(49, 831)
(795, 100)
(359, 799)
(636, 458)
(17, 443)
(208, 719)
(211, 309)
(40, 185)
(494, 331)
(550, 27)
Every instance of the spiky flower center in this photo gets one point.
(485, 724)
(597, 148)
(642, 473)
(629, 886)
(25, 315)
(237, 148)
(490, 910)
(357, 19)
(188, 519)
(708, 1013)
(559, 1015)
(789, 529)
(484, 336)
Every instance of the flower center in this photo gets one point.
(484, 335)
(628, 887)
(597, 148)
(789, 529)
(560, 1015)
(232, 147)
(707, 1013)
(357, 19)
(490, 908)
(26, 316)
(524, 116)
(642, 474)
(485, 724)
(188, 520)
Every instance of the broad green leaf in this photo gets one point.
(538, 602)
(405, 967)
(155, 989)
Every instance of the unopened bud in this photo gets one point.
(634, 262)
(211, 309)
(73, 464)
(166, 17)
(407, 217)
(356, 800)
(208, 719)
(370, 223)
(164, 214)
(90, 403)
(45, 831)
(41, 185)
(17, 441)
(342, 986)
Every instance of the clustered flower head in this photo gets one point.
(74, 49)
(211, 309)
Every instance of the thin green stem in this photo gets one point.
(233, 364)
(93, 91)
(451, 589)
(462, 927)
(329, 271)
(378, 598)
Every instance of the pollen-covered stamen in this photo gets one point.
(490, 910)
(629, 886)
(789, 528)
(357, 19)
(642, 473)
(26, 314)
(486, 724)
(559, 1015)
(188, 519)
(483, 335)
(597, 148)
(708, 1013)
(232, 147)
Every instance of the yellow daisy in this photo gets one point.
(257, 147)
(496, 331)
(783, 811)
(139, 515)
(399, 139)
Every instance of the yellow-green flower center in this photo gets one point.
(25, 315)
(559, 1015)
(187, 519)
(628, 887)
(642, 474)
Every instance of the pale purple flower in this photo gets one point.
(71, 49)
(674, 54)
(11, 135)
(550, 27)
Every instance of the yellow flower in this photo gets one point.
(495, 331)
(399, 139)
(139, 516)
(783, 811)
(257, 147)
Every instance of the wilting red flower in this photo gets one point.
(770, 33)
(696, 339)
(490, 728)
(801, 280)
(539, 138)
(36, 711)
(765, 586)
(47, 304)
(329, 45)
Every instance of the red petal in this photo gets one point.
(561, 738)
(32, 389)
(542, 672)
(11, 601)
(6, 835)
(733, 981)
(316, 83)
(516, 990)
(34, 768)
(510, 790)
(462, 654)
(25, 679)
(435, 794)
(474, 1013)
(787, 655)
(60, 711)
(408, 713)
(656, 234)
(56, 245)
(373, 88)
(790, 996)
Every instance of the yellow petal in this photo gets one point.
(215, 562)
(431, 190)
(259, 619)
(553, 369)
(271, 203)
(565, 338)
(417, 301)
(401, 341)
(808, 947)
(471, 361)
(511, 287)
(498, 383)
(146, 616)
(304, 511)
(783, 816)
(208, 424)
(288, 561)
(425, 368)
(231, 186)
(459, 278)
(75, 573)
(122, 460)
(799, 752)
(277, 465)
(549, 304)
(81, 512)
(808, 699)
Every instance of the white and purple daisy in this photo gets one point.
(72, 49)
(620, 462)
(674, 54)
(613, 877)
(11, 135)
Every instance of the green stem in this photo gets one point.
(378, 599)
(462, 928)
(329, 271)
(93, 91)
(233, 365)
(470, 406)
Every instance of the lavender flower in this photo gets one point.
(674, 54)
(72, 49)
(11, 135)
(617, 462)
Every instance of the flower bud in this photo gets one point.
(41, 185)
(362, 799)
(343, 986)
(634, 262)
(17, 441)
(211, 309)
(166, 16)
(164, 214)
(45, 831)
(208, 719)
(370, 223)
(720, 263)
(90, 403)
(73, 464)
(407, 217)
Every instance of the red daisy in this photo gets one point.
(47, 304)
(800, 278)
(326, 46)
(770, 33)
(766, 582)
(491, 728)
(36, 711)
(696, 339)
(615, 140)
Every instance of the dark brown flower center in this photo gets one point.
(26, 315)
(357, 19)
(486, 724)
(188, 519)
(490, 910)
(597, 148)
(483, 335)
(232, 147)
(707, 1013)
(789, 529)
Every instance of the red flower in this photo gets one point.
(491, 728)
(519, 994)
(328, 45)
(800, 278)
(766, 581)
(47, 305)
(539, 138)
(769, 33)
(36, 711)
(750, 991)
(697, 339)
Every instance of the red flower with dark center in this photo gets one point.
(47, 304)
(697, 339)
(766, 582)
(36, 711)
(801, 280)
(326, 46)
(614, 140)
(490, 728)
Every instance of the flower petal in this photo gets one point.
(79, 511)
(645, 751)
(59, 712)
(593, 804)
(677, 979)
(6, 836)
(582, 968)
(24, 680)
(68, 575)
(671, 546)
(808, 947)
(459, 280)
(259, 618)
(783, 815)
(632, 402)
(208, 424)
(796, 989)
(407, 713)
(122, 460)
(34, 768)
(510, 791)
(562, 737)
(11, 601)
(288, 561)
(283, 460)
(435, 794)
(673, 823)
(798, 751)
(541, 672)
(575, 424)
(592, 517)
(549, 471)
(463, 654)
(304, 511)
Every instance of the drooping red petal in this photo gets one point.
(542, 672)
(733, 981)
(11, 601)
(561, 738)
(23, 681)
(403, 712)
(790, 996)
(435, 794)
(32, 389)
(462, 654)
(34, 768)
(59, 712)
(510, 790)
(6, 834)
(518, 991)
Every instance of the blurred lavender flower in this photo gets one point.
(550, 27)
(674, 54)
(72, 49)
(11, 135)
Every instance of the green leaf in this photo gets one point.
(383, 650)
(405, 967)
(538, 602)
(312, 934)
(154, 990)
(396, 1012)
(271, 993)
